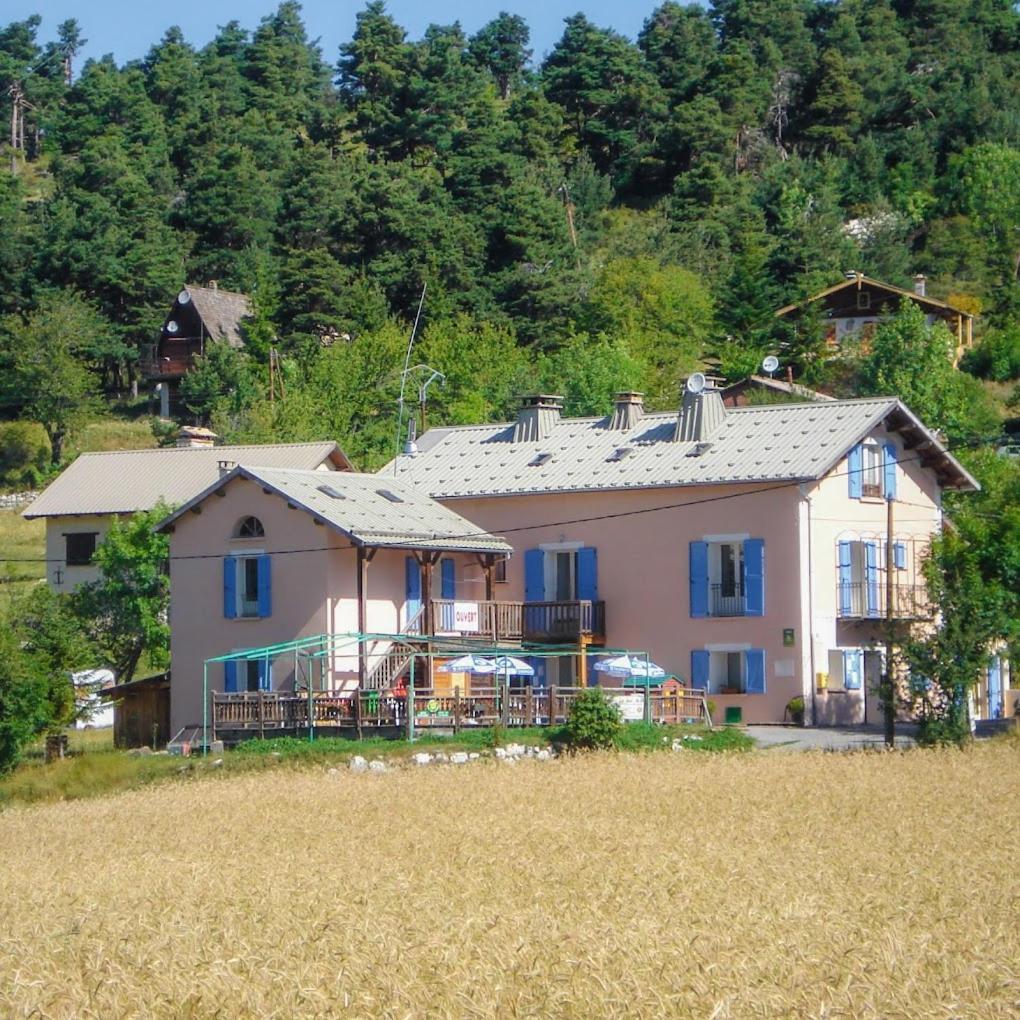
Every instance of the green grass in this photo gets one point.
(93, 768)
(21, 540)
(113, 433)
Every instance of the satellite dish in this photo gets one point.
(183, 298)
(696, 382)
(171, 326)
(770, 364)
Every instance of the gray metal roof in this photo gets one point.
(125, 481)
(764, 443)
(371, 510)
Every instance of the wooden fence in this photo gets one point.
(271, 713)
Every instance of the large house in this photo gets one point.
(80, 505)
(266, 556)
(853, 307)
(745, 548)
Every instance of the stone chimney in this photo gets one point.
(225, 466)
(920, 284)
(628, 411)
(538, 414)
(193, 436)
(701, 413)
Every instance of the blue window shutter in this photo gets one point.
(871, 577)
(754, 577)
(699, 578)
(699, 669)
(449, 578)
(855, 471)
(889, 471)
(899, 555)
(412, 580)
(230, 587)
(587, 574)
(265, 675)
(230, 677)
(265, 586)
(846, 592)
(537, 663)
(852, 668)
(534, 575)
(755, 658)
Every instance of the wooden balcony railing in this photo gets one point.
(263, 713)
(547, 622)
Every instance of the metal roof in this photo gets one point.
(126, 481)
(763, 443)
(371, 510)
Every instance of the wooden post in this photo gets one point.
(456, 709)
(262, 718)
(889, 692)
(582, 663)
(357, 713)
(529, 707)
(648, 701)
(504, 707)
(428, 560)
(362, 581)
(552, 704)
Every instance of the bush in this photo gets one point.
(996, 357)
(593, 722)
(795, 709)
(24, 453)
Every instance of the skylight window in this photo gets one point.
(328, 490)
(700, 449)
(539, 459)
(390, 495)
(620, 453)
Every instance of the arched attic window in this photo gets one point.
(249, 527)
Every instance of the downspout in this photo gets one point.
(811, 611)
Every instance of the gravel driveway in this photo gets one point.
(796, 738)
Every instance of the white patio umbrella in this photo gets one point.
(509, 665)
(468, 664)
(630, 666)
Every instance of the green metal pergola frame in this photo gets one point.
(318, 646)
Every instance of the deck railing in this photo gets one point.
(516, 621)
(273, 712)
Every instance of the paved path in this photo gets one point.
(796, 738)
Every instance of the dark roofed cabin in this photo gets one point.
(200, 316)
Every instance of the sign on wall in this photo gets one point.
(466, 618)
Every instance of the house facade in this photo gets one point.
(81, 504)
(854, 307)
(744, 548)
(269, 556)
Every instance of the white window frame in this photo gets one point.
(872, 470)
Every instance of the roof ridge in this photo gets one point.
(192, 449)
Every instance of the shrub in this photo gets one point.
(795, 709)
(593, 722)
(24, 453)
(996, 357)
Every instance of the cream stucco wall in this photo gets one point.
(832, 515)
(61, 577)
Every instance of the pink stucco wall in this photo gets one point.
(314, 591)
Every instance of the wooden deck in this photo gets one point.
(273, 713)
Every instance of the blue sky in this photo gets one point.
(127, 30)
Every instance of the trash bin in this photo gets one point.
(734, 715)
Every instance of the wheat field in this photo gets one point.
(665, 885)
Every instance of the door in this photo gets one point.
(412, 594)
(995, 688)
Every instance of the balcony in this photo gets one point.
(863, 600)
(539, 622)
(168, 361)
(727, 600)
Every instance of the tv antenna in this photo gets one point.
(404, 373)
(770, 364)
(696, 382)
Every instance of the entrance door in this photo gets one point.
(561, 575)
(995, 688)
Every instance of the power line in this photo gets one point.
(772, 487)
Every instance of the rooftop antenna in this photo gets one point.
(696, 382)
(403, 374)
(410, 444)
(770, 364)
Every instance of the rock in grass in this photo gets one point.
(378, 765)
(500, 752)
(358, 764)
(459, 758)
(421, 758)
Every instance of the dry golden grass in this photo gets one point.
(812, 885)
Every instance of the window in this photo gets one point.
(728, 577)
(871, 470)
(79, 547)
(249, 527)
(740, 671)
(246, 675)
(859, 582)
(863, 299)
(846, 669)
(246, 586)
(499, 572)
(390, 495)
(329, 490)
(539, 459)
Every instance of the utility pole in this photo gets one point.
(888, 685)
